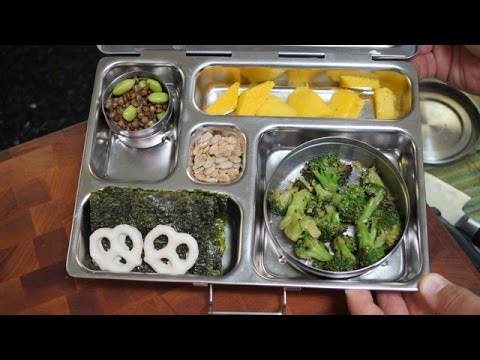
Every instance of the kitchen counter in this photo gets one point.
(37, 194)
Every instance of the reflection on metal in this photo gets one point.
(450, 122)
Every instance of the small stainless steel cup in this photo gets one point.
(348, 150)
(148, 137)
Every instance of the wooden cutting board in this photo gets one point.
(38, 184)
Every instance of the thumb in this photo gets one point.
(445, 298)
(474, 49)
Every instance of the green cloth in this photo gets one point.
(463, 174)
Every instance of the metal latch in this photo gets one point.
(282, 311)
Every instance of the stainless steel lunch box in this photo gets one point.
(197, 75)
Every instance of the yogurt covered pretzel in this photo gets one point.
(111, 259)
(175, 264)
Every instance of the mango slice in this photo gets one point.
(346, 104)
(384, 100)
(301, 77)
(334, 75)
(308, 104)
(401, 88)
(226, 103)
(274, 106)
(257, 75)
(220, 74)
(358, 82)
(251, 99)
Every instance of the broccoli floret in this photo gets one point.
(388, 203)
(369, 256)
(350, 202)
(370, 249)
(330, 225)
(293, 229)
(370, 176)
(315, 207)
(300, 226)
(295, 212)
(350, 242)
(310, 248)
(343, 258)
(378, 233)
(320, 264)
(301, 184)
(280, 200)
(328, 170)
(378, 195)
(308, 226)
(389, 227)
(322, 194)
(296, 207)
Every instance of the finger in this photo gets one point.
(424, 49)
(415, 303)
(420, 61)
(474, 49)
(426, 65)
(445, 298)
(392, 303)
(444, 55)
(360, 302)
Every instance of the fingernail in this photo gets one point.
(432, 284)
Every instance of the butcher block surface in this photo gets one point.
(37, 196)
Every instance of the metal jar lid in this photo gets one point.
(450, 122)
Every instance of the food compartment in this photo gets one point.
(362, 157)
(405, 264)
(367, 94)
(217, 155)
(152, 155)
(80, 262)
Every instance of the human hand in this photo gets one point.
(436, 295)
(457, 65)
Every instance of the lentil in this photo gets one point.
(129, 107)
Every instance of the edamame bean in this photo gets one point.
(123, 86)
(154, 85)
(142, 84)
(158, 98)
(130, 113)
(150, 123)
(160, 115)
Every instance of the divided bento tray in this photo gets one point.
(195, 80)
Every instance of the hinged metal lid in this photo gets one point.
(376, 51)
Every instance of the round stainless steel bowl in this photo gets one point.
(348, 150)
(148, 137)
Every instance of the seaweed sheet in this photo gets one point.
(198, 213)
